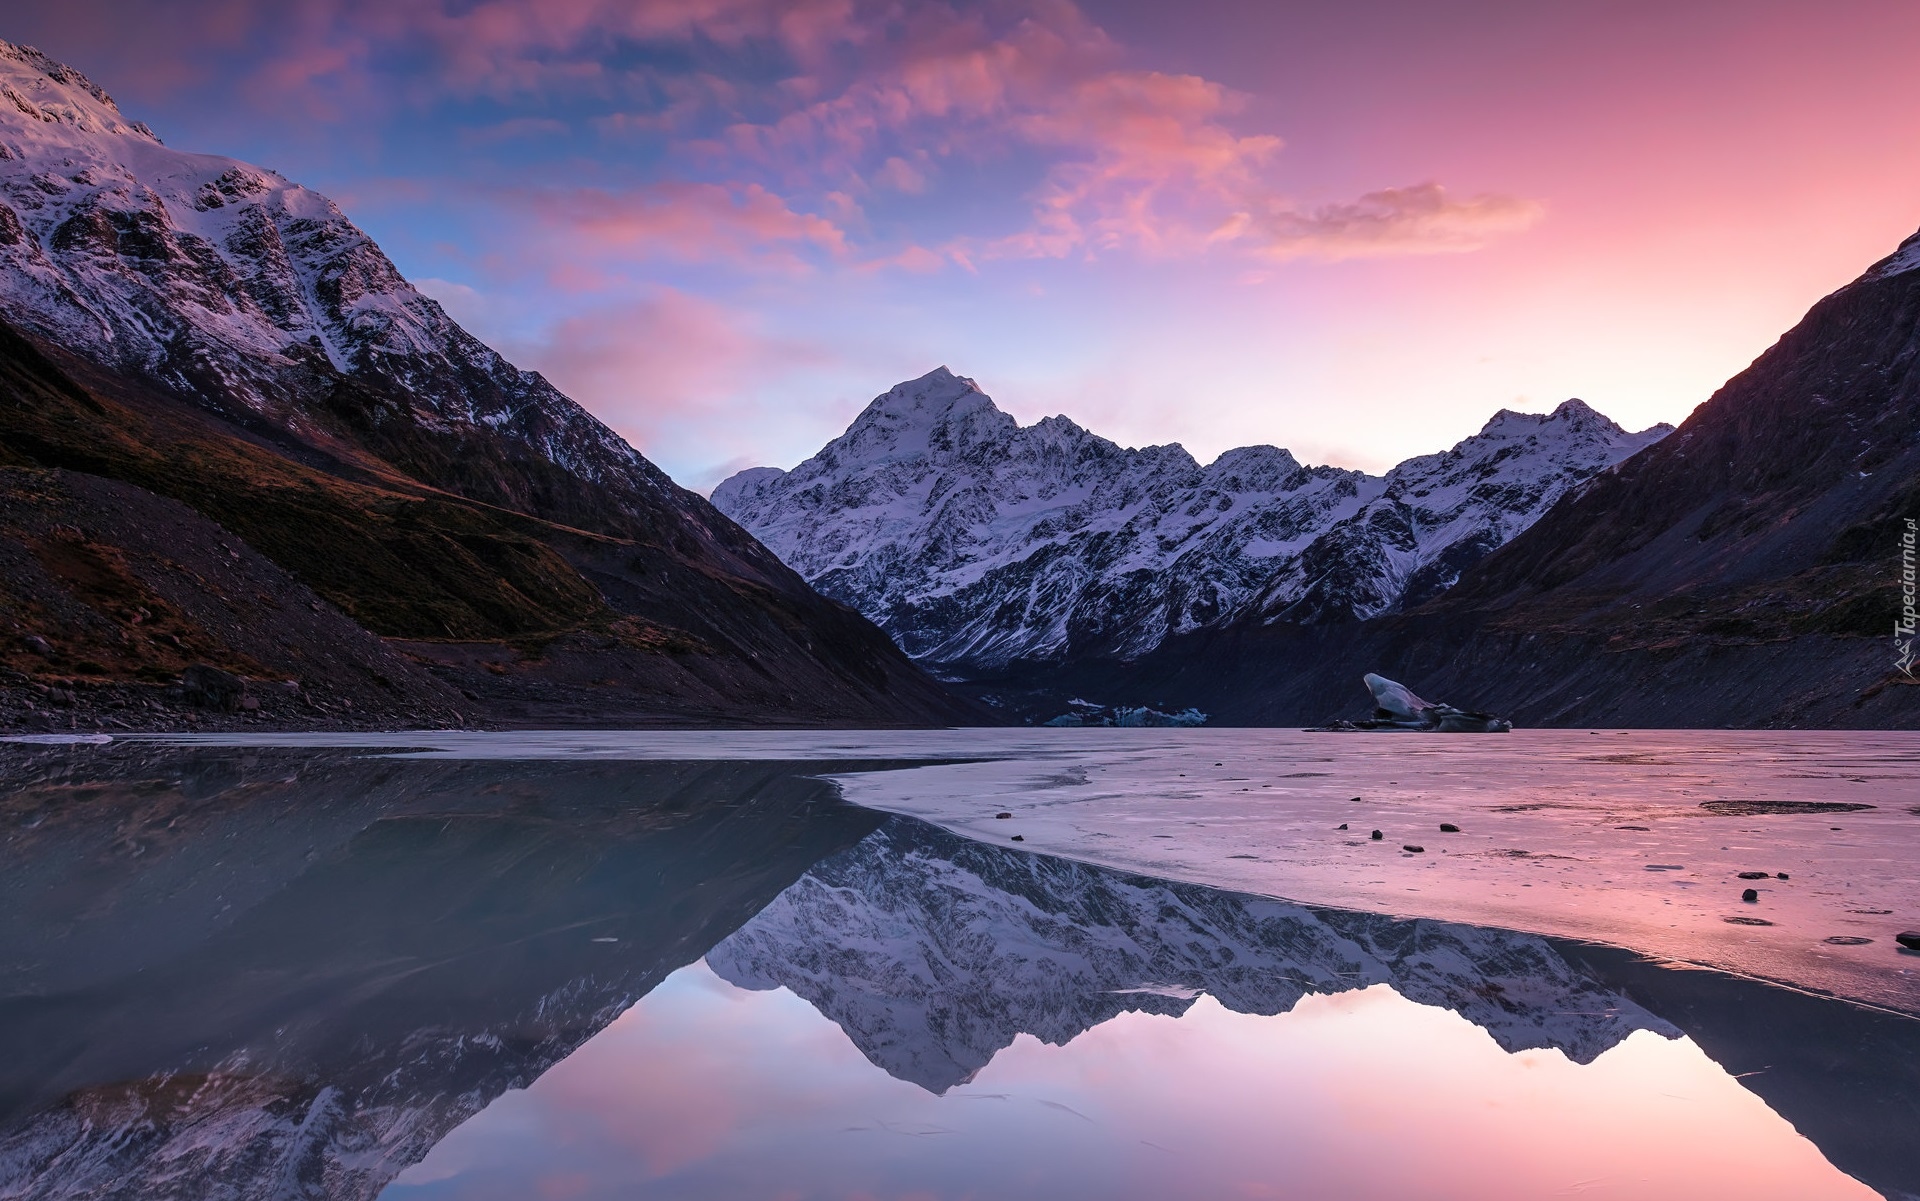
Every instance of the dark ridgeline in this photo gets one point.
(217, 337)
(142, 534)
(1742, 571)
(236, 975)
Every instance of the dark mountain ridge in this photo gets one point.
(1743, 571)
(404, 601)
(207, 332)
(1792, 477)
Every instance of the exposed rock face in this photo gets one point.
(977, 542)
(933, 952)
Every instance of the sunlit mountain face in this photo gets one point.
(1353, 233)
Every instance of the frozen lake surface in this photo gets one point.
(680, 965)
(1635, 838)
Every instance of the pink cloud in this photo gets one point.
(937, 72)
(919, 258)
(1422, 219)
(900, 175)
(697, 384)
(864, 95)
(1145, 161)
(322, 58)
(1148, 164)
(741, 224)
(1146, 125)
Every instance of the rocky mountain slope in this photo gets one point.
(1747, 570)
(978, 543)
(226, 283)
(212, 333)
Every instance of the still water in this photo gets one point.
(329, 973)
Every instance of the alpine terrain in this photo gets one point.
(978, 543)
(1755, 568)
(195, 343)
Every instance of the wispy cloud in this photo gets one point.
(1423, 219)
(1141, 161)
(697, 222)
(703, 386)
(769, 123)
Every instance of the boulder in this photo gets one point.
(210, 688)
(1395, 707)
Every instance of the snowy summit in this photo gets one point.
(227, 283)
(977, 542)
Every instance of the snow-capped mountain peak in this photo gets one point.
(973, 538)
(1253, 469)
(976, 541)
(229, 284)
(939, 412)
(1438, 514)
(52, 92)
(1904, 259)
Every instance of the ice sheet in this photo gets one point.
(1588, 834)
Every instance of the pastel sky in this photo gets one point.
(1354, 230)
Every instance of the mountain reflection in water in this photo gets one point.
(295, 974)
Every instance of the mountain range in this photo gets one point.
(249, 473)
(192, 344)
(978, 543)
(1751, 568)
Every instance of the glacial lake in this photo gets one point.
(692, 966)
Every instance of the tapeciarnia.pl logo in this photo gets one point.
(1904, 624)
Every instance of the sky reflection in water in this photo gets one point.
(317, 972)
(707, 1090)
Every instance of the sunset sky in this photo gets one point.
(1353, 230)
